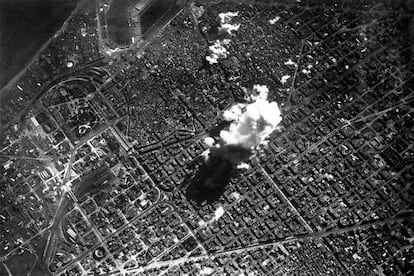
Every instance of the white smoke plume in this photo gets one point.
(243, 166)
(218, 213)
(225, 22)
(251, 125)
(226, 17)
(218, 50)
(209, 141)
(229, 28)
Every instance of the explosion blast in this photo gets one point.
(250, 125)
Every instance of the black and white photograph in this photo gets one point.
(206, 137)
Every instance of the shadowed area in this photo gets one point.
(212, 177)
(215, 130)
(25, 26)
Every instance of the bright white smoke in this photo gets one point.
(253, 122)
(218, 213)
(209, 141)
(251, 125)
(226, 17)
(218, 50)
(229, 28)
(225, 22)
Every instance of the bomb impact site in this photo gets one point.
(196, 137)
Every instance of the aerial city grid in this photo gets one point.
(197, 137)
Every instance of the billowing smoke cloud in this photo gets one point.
(229, 28)
(251, 125)
(218, 50)
(225, 22)
(226, 17)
